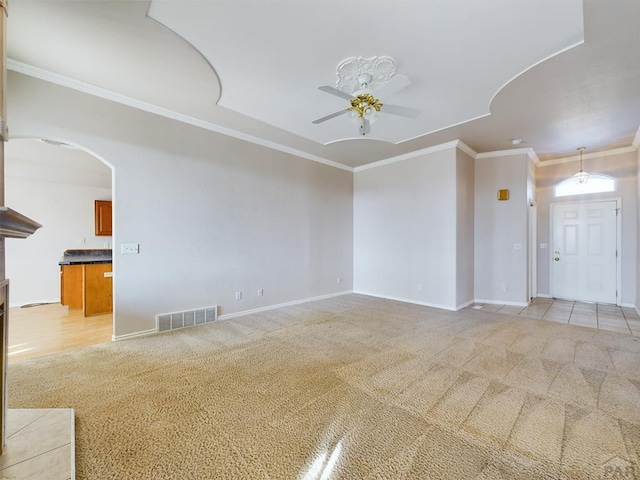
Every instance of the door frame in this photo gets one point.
(618, 201)
(533, 251)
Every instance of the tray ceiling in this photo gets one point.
(272, 56)
(556, 74)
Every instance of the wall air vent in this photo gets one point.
(187, 318)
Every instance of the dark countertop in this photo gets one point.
(83, 257)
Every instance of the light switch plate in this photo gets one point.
(129, 248)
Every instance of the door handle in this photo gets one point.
(557, 259)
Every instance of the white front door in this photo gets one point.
(584, 251)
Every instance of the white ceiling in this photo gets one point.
(35, 160)
(482, 72)
(457, 54)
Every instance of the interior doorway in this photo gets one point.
(585, 264)
(55, 183)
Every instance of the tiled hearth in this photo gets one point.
(40, 445)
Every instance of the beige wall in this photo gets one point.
(465, 193)
(413, 229)
(623, 167)
(405, 230)
(499, 227)
(213, 215)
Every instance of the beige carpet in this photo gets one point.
(351, 388)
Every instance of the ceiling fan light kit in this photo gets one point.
(364, 106)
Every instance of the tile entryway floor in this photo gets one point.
(40, 444)
(594, 315)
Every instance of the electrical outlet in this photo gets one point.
(260, 292)
(339, 280)
(238, 295)
(504, 287)
(419, 286)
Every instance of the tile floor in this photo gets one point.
(603, 317)
(40, 444)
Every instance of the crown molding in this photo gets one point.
(529, 152)
(587, 156)
(83, 87)
(410, 155)
(533, 156)
(507, 153)
(89, 89)
(467, 149)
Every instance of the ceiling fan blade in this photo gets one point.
(400, 111)
(329, 117)
(394, 85)
(336, 92)
(365, 126)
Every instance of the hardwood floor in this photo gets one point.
(44, 329)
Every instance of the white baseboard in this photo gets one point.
(127, 336)
(627, 305)
(502, 302)
(280, 305)
(465, 305)
(144, 333)
(543, 295)
(409, 300)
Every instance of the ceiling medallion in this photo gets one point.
(380, 68)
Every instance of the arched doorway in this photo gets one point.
(57, 183)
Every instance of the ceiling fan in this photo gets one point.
(365, 107)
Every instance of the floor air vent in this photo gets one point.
(188, 318)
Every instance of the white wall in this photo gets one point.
(499, 225)
(638, 230)
(623, 167)
(213, 215)
(465, 192)
(405, 230)
(66, 214)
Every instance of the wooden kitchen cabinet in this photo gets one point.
(87, 286)
(103, 218)
(71, 285)
(98, 289)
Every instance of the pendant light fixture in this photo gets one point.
(582, 176)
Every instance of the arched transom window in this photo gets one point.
(597, 183)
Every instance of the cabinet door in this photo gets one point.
(103, 217)
(71, 286)
(98, 289)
